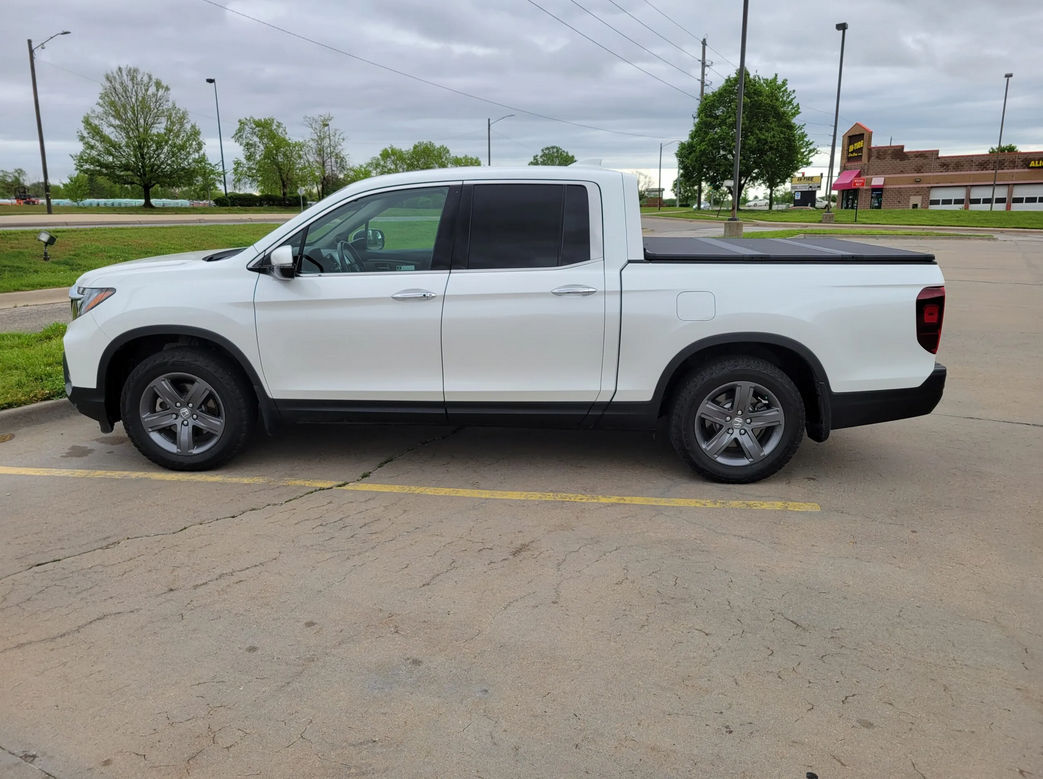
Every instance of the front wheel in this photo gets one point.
(187, 410)
(737, 420)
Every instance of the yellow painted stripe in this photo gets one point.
(452, 492)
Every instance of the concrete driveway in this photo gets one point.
(511, 603)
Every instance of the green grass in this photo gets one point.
(200, 210)
(31, 366)
(841, 232)
(78, 251)
(910, 217)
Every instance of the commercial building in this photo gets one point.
(896, 178)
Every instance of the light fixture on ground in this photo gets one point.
(39, 124)
(47, 240)
(220, 139)
(1003, 116)
(489, 136)
(733, 227)
(842, 27)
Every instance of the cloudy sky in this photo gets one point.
(929, 72)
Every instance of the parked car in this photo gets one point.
(490, 296)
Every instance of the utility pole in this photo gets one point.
(996, 171)
(220, 137)
(489, 136)
(39, 123)
(842, 28)
(738, 115)
(702, 91)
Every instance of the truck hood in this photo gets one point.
(100, 276)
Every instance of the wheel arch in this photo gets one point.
(792, 357)
(130, 348)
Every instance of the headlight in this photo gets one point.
(83, 299)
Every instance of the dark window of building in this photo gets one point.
(1001, 200)
(516, 226)
(1017, 200)
(1030, 200)
(934, 202)
(947, 201)
(575, 245)
(975, 201)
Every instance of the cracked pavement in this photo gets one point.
(187, 629)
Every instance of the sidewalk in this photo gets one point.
(119, 220)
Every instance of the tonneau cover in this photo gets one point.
(817, 249)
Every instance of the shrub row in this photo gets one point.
(250, 200)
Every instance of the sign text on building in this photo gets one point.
(1036, 163)
(855, 145)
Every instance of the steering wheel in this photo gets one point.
(350, 261)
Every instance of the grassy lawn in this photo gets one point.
(78, 251)
(31, 366)
(924, 217)
(841, 232)
(42, 210)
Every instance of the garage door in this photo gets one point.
(950, 198)
(1027, 197)
(981, 196)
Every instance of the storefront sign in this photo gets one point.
(1036, 163)
(858, 183)
(804, 187)
(855, 146)
(806, 180)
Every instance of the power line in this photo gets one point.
(654, 32)
(426, 81)
(711, 48)
(516, 143)
(617, 56)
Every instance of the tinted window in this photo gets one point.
(975, 201)
(1001, 200)
(947, 201)
(934, 202)
(1030, 200)
(516, 226)
(575, 245)
(1017, 200)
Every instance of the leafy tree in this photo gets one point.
(137, 135)
(77, 188)
(684, 192)
(774, 146)
(11, 181)
(553, 155)
(272, 161)
(1004, 149)
(325, 151)
(424, 155)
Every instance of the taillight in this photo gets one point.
(930, 307)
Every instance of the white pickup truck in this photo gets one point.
(491, 296)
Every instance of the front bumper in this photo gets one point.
(851, 409)
(89, 402)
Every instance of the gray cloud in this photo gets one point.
(928, 73)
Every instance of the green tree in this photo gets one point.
(325, 151)
(1006, 148)
(11, 181)
(138, 136)
(553, 155)
(77, 188)
(272, 161)
(772, 141)
(424, 155)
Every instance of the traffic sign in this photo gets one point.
(858, 183)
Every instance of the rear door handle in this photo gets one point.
(414, 294)
(573, 290)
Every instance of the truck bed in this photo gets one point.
(782, 250)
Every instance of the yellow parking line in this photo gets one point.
(554, 497)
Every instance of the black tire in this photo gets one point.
(774, 426)
(188, 441)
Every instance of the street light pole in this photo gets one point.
(661, 145)
(39, 123)
(489, 136)
(738, 113)
(1003, 116)
(836, 118)
(220, 138)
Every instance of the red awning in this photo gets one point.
(844, 179)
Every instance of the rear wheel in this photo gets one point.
(187, 410)
(737, 420)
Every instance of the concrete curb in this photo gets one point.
(13, 419)
(34, 297)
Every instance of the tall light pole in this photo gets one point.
(220, 139)
(489, 136)
(738, 113)
(39, 124)
(836, 118)
(1003, 116)
(670, 143)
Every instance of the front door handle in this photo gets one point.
(573, 290)
(414, 294)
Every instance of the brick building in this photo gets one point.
(896, 178)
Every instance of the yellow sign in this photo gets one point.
(1036, 163)
(854, 149)
(806, 180)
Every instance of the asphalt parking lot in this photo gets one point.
(439, 602)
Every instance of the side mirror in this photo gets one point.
(374, 239)
(282, 261)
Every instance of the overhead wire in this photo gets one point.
(435, 83)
